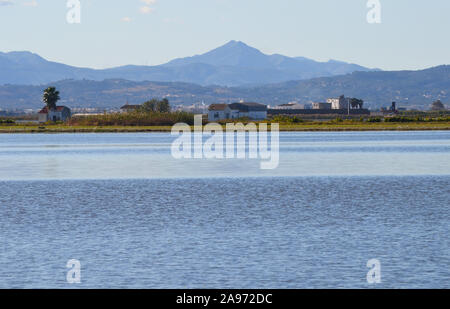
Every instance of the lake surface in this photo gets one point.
(135, 217)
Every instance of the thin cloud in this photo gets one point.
(147, 9)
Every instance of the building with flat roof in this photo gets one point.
(290, 106)
(321, 105)
(339, 103)
(254, 111)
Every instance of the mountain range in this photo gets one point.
(413, 89)
(233, 64)
(229, 73)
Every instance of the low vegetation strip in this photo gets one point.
(137, 118)
(305, 127)
(153, 117)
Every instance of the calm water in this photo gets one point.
(137, 218)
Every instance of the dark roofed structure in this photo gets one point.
(248, 107)
(57, 109)
(218, 107)
(129, 108)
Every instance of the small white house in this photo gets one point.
(254, 111)
(218, 112)
(60, 113)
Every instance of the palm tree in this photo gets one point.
(51, 97)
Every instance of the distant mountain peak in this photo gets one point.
(233, 64)
(233, 53)
(235, 43)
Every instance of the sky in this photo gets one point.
(412, 34)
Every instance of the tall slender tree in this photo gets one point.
(51, 97)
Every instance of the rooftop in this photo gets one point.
(58, 109)
(247, 107)
(218, 107)
(128, 106)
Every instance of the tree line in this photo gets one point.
(156, 106)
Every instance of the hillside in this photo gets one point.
(414, 89)
(417, 89)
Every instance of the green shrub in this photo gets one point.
(337, 120)
(374, 119)
(7, 121)
(403, 119)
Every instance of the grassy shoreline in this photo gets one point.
(303, 127)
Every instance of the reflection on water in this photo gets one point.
(146, 156)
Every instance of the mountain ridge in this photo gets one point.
(233, 64)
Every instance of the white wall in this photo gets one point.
(43, 118)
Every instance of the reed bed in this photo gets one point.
(133, 119)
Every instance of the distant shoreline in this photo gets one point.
(420, 126)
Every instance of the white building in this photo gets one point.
(60, 113)
(321, 105)
(194, 108)
(254, 111)
(339, 103)
(291, 105)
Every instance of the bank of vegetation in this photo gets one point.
(133, 119)
(7, 121)
(156, 116)
(425, 118)
(93, 124)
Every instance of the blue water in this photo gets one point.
(137, 218)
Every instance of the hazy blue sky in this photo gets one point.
(414, 34)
